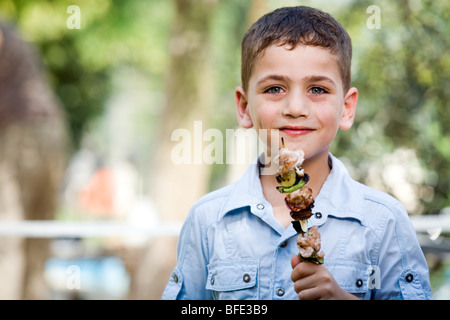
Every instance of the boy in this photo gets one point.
(238, 242)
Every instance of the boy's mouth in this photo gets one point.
(296, 131)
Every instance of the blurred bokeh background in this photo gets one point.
(91, 92)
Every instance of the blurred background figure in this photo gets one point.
(32, 162)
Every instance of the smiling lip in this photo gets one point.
(296, 131)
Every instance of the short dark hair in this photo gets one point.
(293, 26)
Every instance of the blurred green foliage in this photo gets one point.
(401, 70)
(81, 62)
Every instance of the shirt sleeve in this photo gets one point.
(188, 278)
(402, 265)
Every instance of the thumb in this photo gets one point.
(295, 260)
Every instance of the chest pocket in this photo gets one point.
(235, 279)
(353, 276)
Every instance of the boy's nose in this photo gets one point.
(296, 106)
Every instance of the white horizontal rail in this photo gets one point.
(84, 229)
(428, 223)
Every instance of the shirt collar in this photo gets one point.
(247, 191)
(338, 197)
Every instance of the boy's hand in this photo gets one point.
(315, 282)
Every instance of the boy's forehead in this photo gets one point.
(297, 61)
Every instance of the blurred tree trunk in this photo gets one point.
(175, 188)
(32, 161)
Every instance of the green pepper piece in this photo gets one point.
(288, 180)
(297, 186)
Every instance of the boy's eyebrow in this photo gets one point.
(275, 77)
(309, 79)
(318, 78)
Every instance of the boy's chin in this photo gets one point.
(293, 143)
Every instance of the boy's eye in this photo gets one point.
(317, 90)
(274, 90)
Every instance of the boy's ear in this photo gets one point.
(348, 115)
(243, 114)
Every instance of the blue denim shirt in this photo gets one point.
(232, 247)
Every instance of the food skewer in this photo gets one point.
(293, 182)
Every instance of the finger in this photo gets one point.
(304, 283)
(303, 269)
(295, 260)
(309, 294)
(296, 273)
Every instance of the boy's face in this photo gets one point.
(300, 92)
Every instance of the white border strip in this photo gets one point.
(84, 229)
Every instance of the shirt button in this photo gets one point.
(359, 283)
(260, 206)
(280, 292)
(246, 277)
(284, 244)
(175, 278)
(318, 215)
(212, 280)
(409, 277)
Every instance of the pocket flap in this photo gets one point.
(230, 275)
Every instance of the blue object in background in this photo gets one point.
(87, 278)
